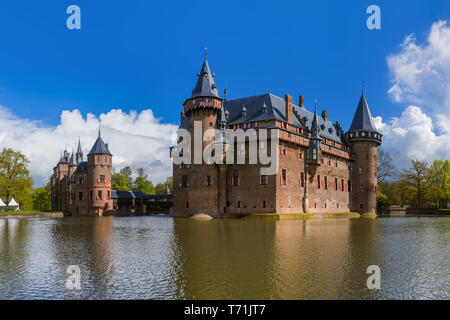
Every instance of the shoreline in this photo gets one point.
(32, 215)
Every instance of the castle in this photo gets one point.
(81, 187)
(321, 168)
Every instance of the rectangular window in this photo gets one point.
(318, 182)
(236, 178)
(349, 186)
(91, 195)
(80, 180)
(336, 184)
(283, 149)
(109, 195)
(359, 171)
(264, 204)
(209, 181)
(342, 184)
(80, 196)
(264, 179)
(326, 183)
(99, 195)
(300, 153)
(302, 179)
(102, 179)
(184, 181)
(238, 204)
(283, 177)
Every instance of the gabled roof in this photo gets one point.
(268, 106)
(13, 203)
(2, 204)
(82, 167)
(205, 86)
(99, 147)
(362, 119)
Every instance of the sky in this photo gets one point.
(133, 64)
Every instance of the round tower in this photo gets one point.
(195, 190)
(364, 140)
(99, 178)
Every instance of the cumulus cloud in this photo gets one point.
(413, 136)
(135, 139)
(420, 77)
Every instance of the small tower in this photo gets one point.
(79, 155)
(99, 178)
(72, 164)
(314, 152)
(364, 140)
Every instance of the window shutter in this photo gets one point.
(260, 179)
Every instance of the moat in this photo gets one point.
(160, 257)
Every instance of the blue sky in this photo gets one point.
(145, 54)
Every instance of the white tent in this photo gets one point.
(2, 204)
(13, 205)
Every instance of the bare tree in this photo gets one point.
(385, 167)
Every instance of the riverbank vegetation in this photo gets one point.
(419, 186)
(123, 180)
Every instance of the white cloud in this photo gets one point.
(412, 136)
(420, 76)
(135, 139)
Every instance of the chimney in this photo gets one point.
(301, 102)
(288, 106)
(325, 115)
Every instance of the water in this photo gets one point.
(164, 258)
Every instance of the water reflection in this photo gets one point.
(164, 258)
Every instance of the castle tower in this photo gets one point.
(79, 156)
(99, 178)
(198, 193)
(364, 140)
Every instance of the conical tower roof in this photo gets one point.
(72, 159)
(315, 128)
(363, 118)
(99, 146)
(205, 86)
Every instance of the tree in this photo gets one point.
(14, 175)
(162, 187)
(120, 182)
(127, 172)
(439, 181)
(143, 185)
(42, 198)
(416, 178)
(385, 168)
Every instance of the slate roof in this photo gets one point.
(118, 194)
(82, 167)
(205, 86)
(63, 158)
(362, 119)
(72, 159)
(99, 147)
(274, 107)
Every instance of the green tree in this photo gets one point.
(439, 181)
(414, 181)
(42, 198)
(120, 182)
(15, 180)
(127, 172)
(143, 185)
(162, 187)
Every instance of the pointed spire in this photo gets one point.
(363, 118)
(205, 86)
(99, 147)
(72, 159)
(315, 128)
(79, 154)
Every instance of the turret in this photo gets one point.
(205, 104)
(99, 178)
(364, 140)
(79, 155)
(314, 151)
